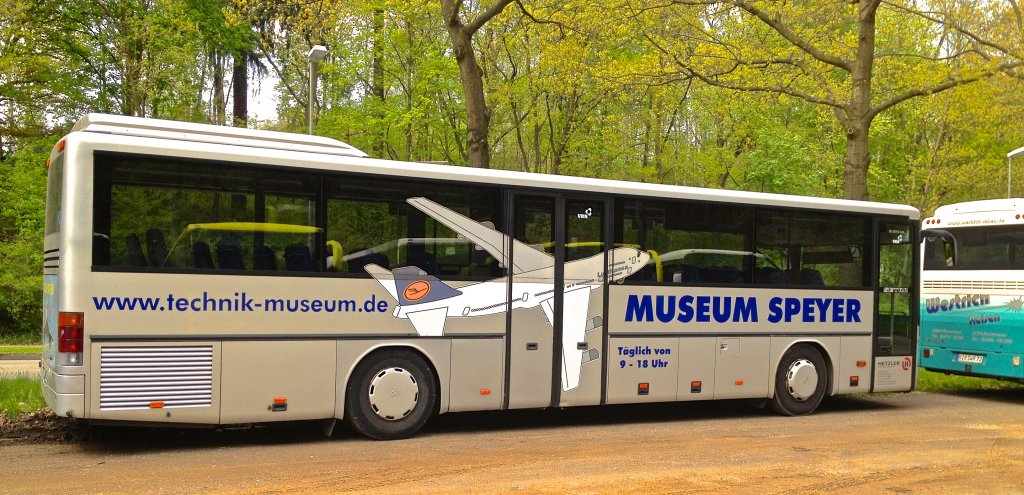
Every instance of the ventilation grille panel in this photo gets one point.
(135, 377)
(974, 285)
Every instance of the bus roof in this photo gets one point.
(978, 213)
(335, 155)
(983, 206)
(214, 134)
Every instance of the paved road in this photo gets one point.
(12, 366)
(900, 443)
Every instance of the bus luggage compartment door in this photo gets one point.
(278, 380)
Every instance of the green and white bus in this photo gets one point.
(197, 274)
(972, 295)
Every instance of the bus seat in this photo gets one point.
(334, 253)
(793, 275)
(425, 261)
(297, 258)
(356, 264)
(201, 256)
(811, 276)
(685, 274)
(770, 276)
(721, 275)
(229, 254)
(263, 258)
(100, 249)
(648, 273)
(133, 248)
(157, 248)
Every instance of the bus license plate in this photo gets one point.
(970, 358)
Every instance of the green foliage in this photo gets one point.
(573, 87)
(23, 194)
(19, 394)
(929, 381)
(19, 348)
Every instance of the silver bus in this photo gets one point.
(197, 274)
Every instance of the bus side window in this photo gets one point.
(935, 256)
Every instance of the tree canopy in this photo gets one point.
(892, 100)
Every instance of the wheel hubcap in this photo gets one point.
(802, 379)
(393, 393)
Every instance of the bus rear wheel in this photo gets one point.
(391, 395)
(800, 381)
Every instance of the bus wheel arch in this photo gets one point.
(802, 379)
(391, 393)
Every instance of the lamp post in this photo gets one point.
(1009, 167)
(316, 54)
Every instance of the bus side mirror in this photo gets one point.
(940, 249)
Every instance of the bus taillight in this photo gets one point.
(70, 337)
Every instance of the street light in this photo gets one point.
(316, 54)
(1009, 166)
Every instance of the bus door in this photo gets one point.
(555, 345)
(896, 308)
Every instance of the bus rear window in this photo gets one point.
(979, 248)
(54, 193)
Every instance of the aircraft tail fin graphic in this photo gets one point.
(413, 286)
(383, 277)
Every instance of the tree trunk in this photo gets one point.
(377, 83)
(133, 103)
(240, 87)
(478, 116)
(855, 172)
(858, 114)
(219, 109)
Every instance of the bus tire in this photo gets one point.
(391, 395)
(800, 381)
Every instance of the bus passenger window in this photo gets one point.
(384, 226)
(693, 243)
(198, 215)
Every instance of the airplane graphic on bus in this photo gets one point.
(427, 302)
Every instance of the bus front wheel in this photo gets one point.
(391, 395)
(800, 381)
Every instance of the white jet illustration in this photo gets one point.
(428, 302)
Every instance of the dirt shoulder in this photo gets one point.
(36, 427)
(884, 443)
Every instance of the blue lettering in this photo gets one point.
(246, 303)
(775, 310)
(685, 309)
(792, 308)
(666, 308)
(722, 309)
(852, 310)
(745, 311)
(703, 309)
(639, 309)
(808, 310)
(823, 305)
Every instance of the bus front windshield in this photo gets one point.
(981, 248)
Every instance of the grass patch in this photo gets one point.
(20, 394)
(27, 350)
(19, 338)
(930, 381)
